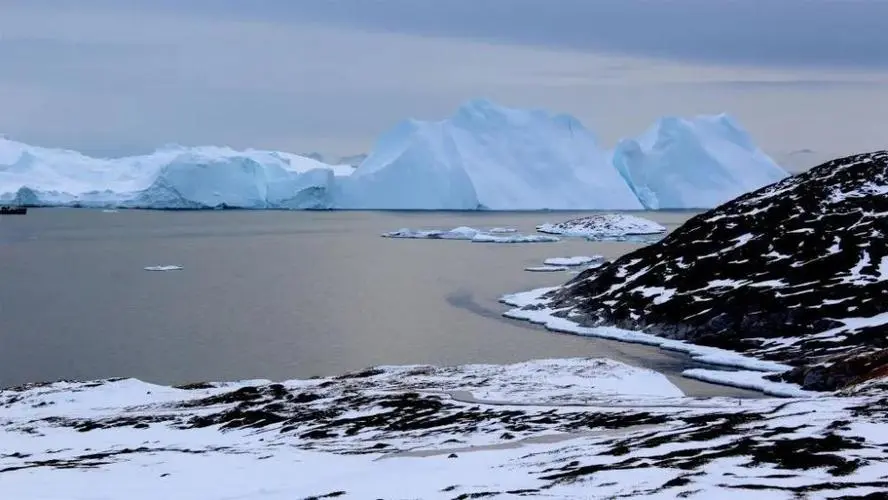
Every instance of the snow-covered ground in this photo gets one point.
(485, 156)
(577, 428)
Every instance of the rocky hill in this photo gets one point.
(796, 272)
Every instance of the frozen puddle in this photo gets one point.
(492, 235)
(163, 268)
(574, 261)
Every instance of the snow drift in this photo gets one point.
(485, 156)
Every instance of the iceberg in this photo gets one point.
(487, 156)
(603, 226)
(694, 163)
(171, 177)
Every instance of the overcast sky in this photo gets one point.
(121, 76)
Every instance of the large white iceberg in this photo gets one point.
(488, 156)
(171, 177)
(485, 156)
(694, 163)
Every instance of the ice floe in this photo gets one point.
(457, 233)
(493, 235)
(513, 238)
(577, 260)
(163, 268)
(546, 269)
(604, 227)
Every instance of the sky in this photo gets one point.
(113, 77)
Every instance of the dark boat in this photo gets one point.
(13, 210)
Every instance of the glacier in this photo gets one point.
(483, 157)
(694, 163)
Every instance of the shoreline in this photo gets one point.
(743, 372)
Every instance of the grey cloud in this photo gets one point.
(121, 76)
(837, 33)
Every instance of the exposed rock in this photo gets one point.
(796, 272)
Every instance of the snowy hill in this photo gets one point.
(696, 163)
(485, 156)
(795, 273)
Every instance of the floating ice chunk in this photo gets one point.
(110, 211)
(578, 260)
(458, 233)
(163, 268)
(604, 226)
(501, 230)
(513, 238)
(495, 235)
(546, 269)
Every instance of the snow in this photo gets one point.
(747, 379)
(694, 163)
(540, 428)
(485, 156)
(662, 294)
(577, 260)
(603, 226)
(164, 268)
(541, 314)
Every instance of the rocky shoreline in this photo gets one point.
(795, 273)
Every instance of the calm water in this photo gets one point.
(273, 295)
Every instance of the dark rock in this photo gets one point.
(787, 261)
